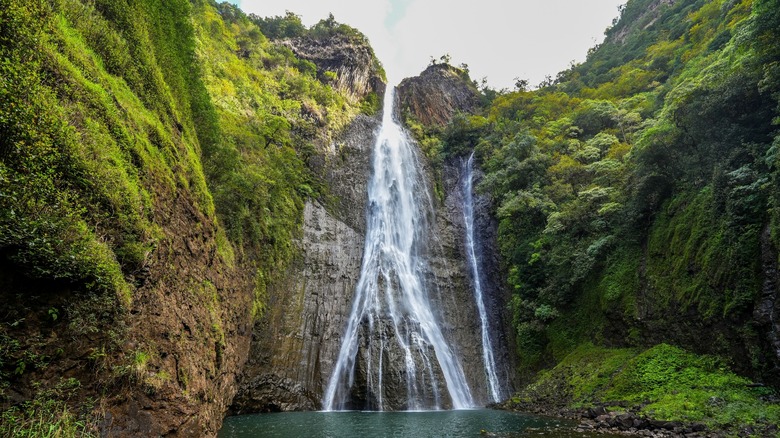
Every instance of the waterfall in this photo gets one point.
(392, 335)
(468, 218)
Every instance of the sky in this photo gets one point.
(498, 39)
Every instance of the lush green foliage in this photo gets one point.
(664, 382)
(640, 179)
(271, 110)
(97, 137)
(97, 133)
(683, 386)
(114, 114)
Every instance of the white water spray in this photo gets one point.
(391, 310)
(468, 217)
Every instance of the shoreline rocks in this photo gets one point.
(599, 419)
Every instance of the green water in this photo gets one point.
(466, 423)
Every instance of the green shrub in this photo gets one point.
(48, 415)
(664, 382)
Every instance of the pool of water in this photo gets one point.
(463, 423)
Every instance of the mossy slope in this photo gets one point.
(155, 158)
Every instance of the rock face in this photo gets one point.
(644, 19)
(195, 327)
(164, 366)
(452, 284)
(296, 343)
(356, 68)
(429, 391)
(767, 309)
(437, 94)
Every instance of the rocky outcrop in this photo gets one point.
(767, 309)
(163, 365)
(437, 94)
(296, 343)
(645, 17)
(451, 283)
(357, 71)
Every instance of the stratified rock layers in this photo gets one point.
(296, 344)
(297, 341)
(437, 94)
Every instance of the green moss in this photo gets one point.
(610, 295)
(697, 258)
(677, 385)
(664, 382)
(590, 369)
(621, 280)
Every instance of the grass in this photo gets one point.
(676, 385)
(44, 419)
(663, 382)
(49, 415)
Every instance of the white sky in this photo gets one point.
(499, 39)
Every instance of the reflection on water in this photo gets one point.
(464, 423)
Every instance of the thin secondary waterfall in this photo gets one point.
(468, 217)
(393, 342)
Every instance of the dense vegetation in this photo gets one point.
(271, 111)
(111, 112)
(633, 192)
(638, 203)
(664, 382)
(637, 193)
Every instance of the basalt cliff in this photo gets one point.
(296, 343)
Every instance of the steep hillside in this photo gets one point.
(154, 162)
(638, 194)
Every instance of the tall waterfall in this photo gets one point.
(392, 343)
(468, 217)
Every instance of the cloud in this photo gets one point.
(501, 40)
(397, 12)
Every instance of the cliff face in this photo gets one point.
(164, 366)
(154, 189)
(122, 304)
(451, 283)
(766, 311)
(188, 333)
(437, 94)
(296, 343)
(357, 71)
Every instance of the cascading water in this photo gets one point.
(392, 335)
(468, 217)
